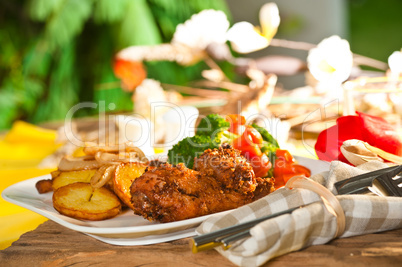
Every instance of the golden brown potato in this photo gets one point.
(65, 178)
(124, 176)
(54, 174)
(81, 201)
(44, 186)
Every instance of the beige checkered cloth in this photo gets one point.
(311, 225)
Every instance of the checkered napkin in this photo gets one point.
(311, 225)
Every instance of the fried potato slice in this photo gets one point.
(70, 177)
(44, 186)
(54, 174)
(124, 176)
(81, 201)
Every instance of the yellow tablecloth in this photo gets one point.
(21, 150)
(15, 220)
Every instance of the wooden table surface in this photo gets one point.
(54, 245)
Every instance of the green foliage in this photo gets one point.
(189, 148)
(375, 27)
(8, 106)
(106, 11)
(66, 22)
(139, 20)
(40, 10)
(57, 53)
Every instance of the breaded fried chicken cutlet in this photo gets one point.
(222, 179)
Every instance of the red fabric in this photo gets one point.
(379, 133)
(374, 130)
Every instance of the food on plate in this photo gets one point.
(80, 183)
(254, 142)
(211, 133)
(222, 179)
(103, 176)
(81, 201)
(124, 176)
(286, 168)
(214, 130)
(44, 186)
(70, 177)
(227, 164)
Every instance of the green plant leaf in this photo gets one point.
(37, 60)
(40, 10)
(107, 11)
(62, 89)
(138, 26)
(9, 100)
(34, 89)
(67, 21)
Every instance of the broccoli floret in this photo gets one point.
(190, 147)
(211, 133)
(212, 125)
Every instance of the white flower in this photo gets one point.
(207, 27)
(246, 38)
(395, 63)
(331, 61)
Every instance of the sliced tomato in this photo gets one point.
(250, 136)
(237, 123)
(261, 165)
(286, 168)
(252, 152)
(236, 119)
(253, 134)
(248, 143)
(284, 155)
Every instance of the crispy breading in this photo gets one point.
(222, 180)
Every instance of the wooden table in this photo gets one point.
(54, 245)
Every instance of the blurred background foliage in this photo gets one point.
(375, 27)
(57, 53)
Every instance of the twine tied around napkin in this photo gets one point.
(329, 200)
(311, 225)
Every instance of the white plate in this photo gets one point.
(124, 229)
(315, 166)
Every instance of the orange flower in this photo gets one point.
(131, 73)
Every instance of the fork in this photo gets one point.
(388, 179)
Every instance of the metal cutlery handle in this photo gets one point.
(213, 239)
(228, 241)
